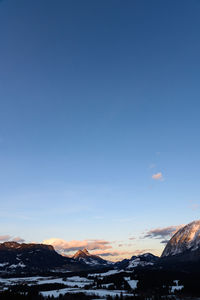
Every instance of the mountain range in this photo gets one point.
(182, 252)
(22, 258)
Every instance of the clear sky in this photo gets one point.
(99, 122)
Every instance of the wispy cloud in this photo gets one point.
(118, 253)
(194, 205)
(112, 253)
(62, 245)
(4, 238)
(157, 176)
(162, 233)
(138, 252)
(164, 241)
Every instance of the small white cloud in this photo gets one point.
(157, 176)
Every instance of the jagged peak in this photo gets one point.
(81, 253)
(188, 237)
(86, 251)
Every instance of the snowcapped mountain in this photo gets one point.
(182, 252)
(143, 260)
(93, 260)
(146, 259)
(187, 238)
(16, 258)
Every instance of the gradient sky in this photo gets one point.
(96, 97)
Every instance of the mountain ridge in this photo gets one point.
(16, 257)
(186, 238)
(26, 257)
(181, 252)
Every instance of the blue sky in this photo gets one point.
(96, 97)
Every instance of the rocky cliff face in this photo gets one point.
(186, 239)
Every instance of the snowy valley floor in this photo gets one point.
(99, 285)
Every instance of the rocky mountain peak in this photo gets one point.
(89, 259)
(86, 251)
(79, 254)
(186, 238)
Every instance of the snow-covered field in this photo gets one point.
(30, 281)
(98, 292)
(20, 280)
(77, 284)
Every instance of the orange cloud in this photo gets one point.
(139, 252)
(111, 252)
(157, 176)
(18, 239)
(66, 246)
(4, 238)
(117, 254)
